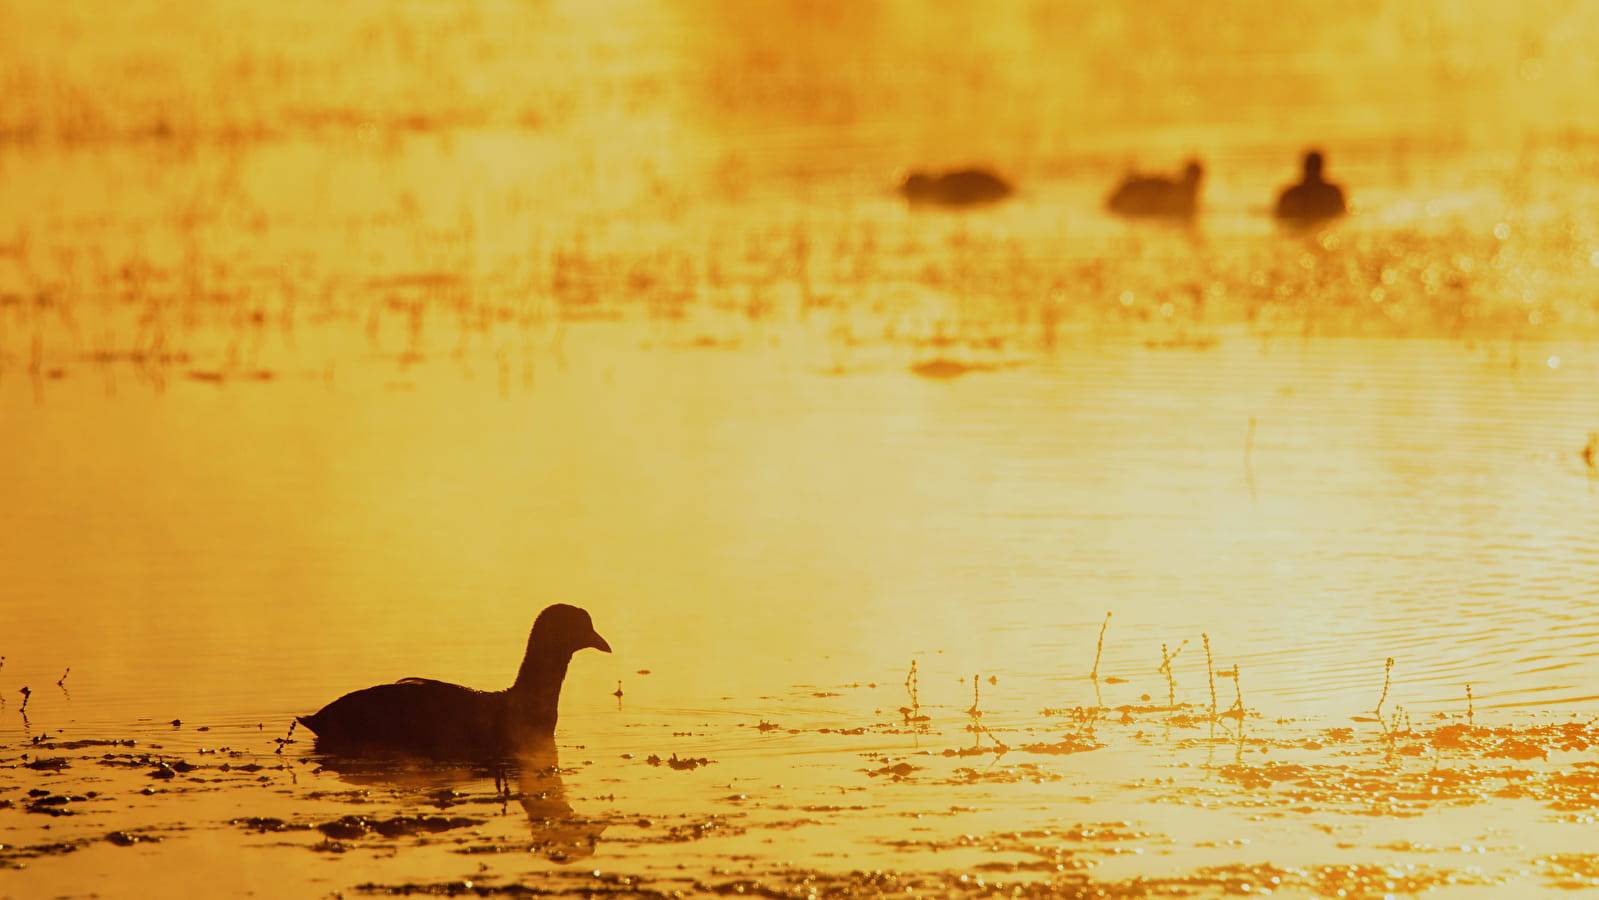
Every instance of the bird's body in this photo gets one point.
(962, 187)
(1154, 196)
(1313, 199)
(435, 719)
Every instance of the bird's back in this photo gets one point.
(1310, 201)
(416, 716)
(1152, 196)
(973, 186)
(962, 187)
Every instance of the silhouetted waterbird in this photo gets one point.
(1154, 196)
(1313, 199)
(962, 187)
(438, 720)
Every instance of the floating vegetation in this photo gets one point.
(1015, 773)
(268, 824)
(348, 828)
(1392, 790)
(686, 764)
(1069, 744)
(1053, 850)
(1356, 882)
(50, 804)
(129, 838)
(895, 771)
(695, 829)
(16, 857)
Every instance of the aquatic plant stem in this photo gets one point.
(1238, 695)
(1387, 676)
(1165, 669)
(1099, 648)
(1210, 672)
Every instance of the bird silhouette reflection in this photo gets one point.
(559, 834)
(534, 780)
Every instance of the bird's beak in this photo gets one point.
(598, 643)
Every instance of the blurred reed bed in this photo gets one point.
(223, 275)
(253, 191)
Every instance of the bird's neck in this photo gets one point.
(542, 672)
(532, 703)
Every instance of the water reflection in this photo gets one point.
(558, 832)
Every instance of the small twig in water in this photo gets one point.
(1471, 713)
(288, 737)
(1165, 669)
(976, 713)
(1237, 710)
(1099, 648)
(1210, 672)
(26, 693)
(1387, 677)
(912, 713)
(60, 682)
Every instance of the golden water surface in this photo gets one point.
(338, 341)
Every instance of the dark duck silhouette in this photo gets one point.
(962, 187)
(437, 720)
(1154, 196)
(1313, 199)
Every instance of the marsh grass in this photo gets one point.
(975, 712)
(1389, 726)
(1165, 669)
(227, 279)
(912, 714)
